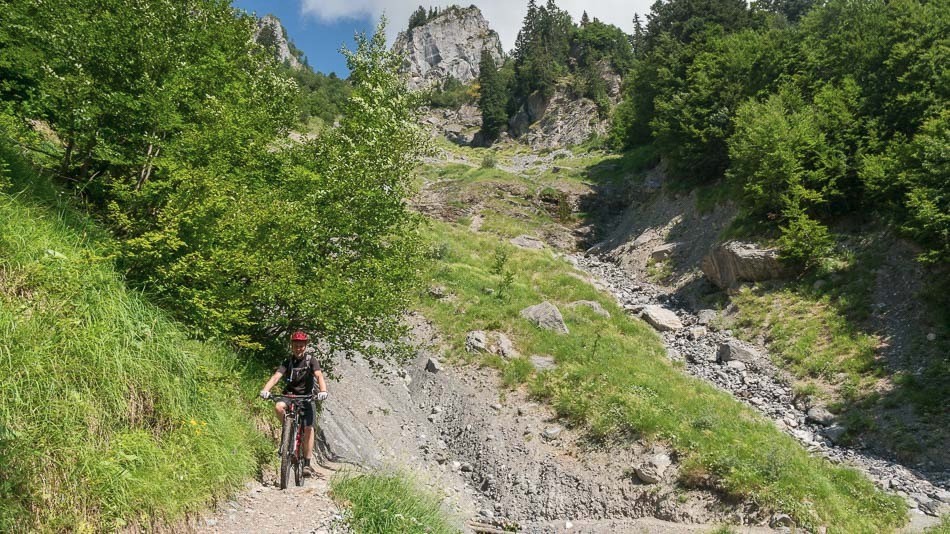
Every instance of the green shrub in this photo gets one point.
(489, 160)
(452, 94)
(804, 241)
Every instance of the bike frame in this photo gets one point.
(293, 415)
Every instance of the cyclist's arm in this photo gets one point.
(321, 383)
(273, 380)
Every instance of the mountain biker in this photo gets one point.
(300, 372)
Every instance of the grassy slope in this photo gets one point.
(614, 381)
(109, 414)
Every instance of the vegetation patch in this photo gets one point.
(820, 328)
(111, 416)
(613, 380)
(381, 503)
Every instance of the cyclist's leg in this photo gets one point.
(281, 408)
(307, 437)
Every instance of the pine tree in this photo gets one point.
(637, 40)
(418, 18)
(493, 99)
(585, 20)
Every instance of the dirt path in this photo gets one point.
(266, 509)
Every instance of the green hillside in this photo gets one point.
(110, 414)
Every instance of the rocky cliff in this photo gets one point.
(271, 35)
(448, 45)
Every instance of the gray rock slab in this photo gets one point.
(733, 350)
(661, 318)
(546, 316)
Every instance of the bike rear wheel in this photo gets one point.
(287, 442)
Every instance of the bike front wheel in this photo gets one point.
(287, 451)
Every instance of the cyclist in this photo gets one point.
(300, 373)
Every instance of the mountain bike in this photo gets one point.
(291, 438)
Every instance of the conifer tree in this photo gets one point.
(493, 99)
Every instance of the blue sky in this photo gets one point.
(320, 40)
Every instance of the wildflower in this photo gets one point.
(193, 422)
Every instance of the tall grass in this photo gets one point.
(381, 503)
(614, 381)
(109, 414)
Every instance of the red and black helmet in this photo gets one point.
(299, 335)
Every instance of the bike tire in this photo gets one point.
(298, 461)
(286, 452)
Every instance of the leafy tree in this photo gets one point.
(175, 129)
(787, 168)
(910, 178)
(692, 125)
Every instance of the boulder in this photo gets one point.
(593, 305)
(663, 252)
(697, 332)
(735, 351)
(503, 346)
(433, 365)
(704, 317)
(476, 341)
(652, 470)
(733, 262)
(546, 316)
(817, 414)
(661, 318)
(527, 241)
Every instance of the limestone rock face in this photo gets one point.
(561, 121)
(271, 35)
(451, 44)
(733, 262)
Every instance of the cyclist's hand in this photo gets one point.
(322, 396)
(265, 394)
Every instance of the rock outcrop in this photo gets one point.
(560, 121)
(733, 262)
(450, 44)
(271, 35)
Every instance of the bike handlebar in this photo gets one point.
(291, 397)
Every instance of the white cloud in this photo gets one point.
(504, 16)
